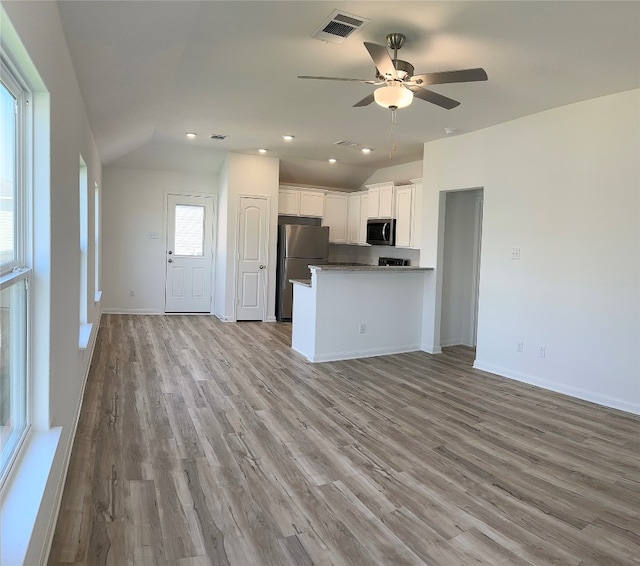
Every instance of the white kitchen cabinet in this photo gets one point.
(294, 201)
(353, 222)
(381, 200)
(417, 213)
(288, 202)
(336, 216)
(364, 216)
(358, 215)
(404, 216)
(311, 203)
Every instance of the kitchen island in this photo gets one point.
(357, 311)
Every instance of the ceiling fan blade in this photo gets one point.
(365, 101)
(434, 97)
(369, 82)
(382, 60)
(463, 76)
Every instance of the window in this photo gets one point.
(96, 241)
(14, 264)
(189, 231)
(84, 239)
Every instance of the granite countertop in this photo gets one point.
(304, 282)
(377, 268)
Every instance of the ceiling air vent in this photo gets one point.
(219, 137)
(346, 143)
(338, 26)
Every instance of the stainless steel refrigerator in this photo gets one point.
(298, 247)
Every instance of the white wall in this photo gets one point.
(564, 187)
(134, 204)
(245, 175)
(62, 134)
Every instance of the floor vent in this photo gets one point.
(219, 137)
(338, 26)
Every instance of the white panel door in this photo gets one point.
(189, 256)
(253, 236)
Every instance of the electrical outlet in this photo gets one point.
(132, 292)
(515, 253)
(520, 347)
(363, 328)
(542, 351)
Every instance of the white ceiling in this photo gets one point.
(150, 71)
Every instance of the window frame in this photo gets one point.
(20, 268)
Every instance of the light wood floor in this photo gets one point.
(203, 442)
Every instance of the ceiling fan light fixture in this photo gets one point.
(393, 96)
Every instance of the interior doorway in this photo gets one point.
(460, 261)
(189, 254)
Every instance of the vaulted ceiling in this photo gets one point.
(151, 71)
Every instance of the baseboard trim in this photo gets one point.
(354, 354)
(130, 311)
(575, 392)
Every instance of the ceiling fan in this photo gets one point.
(400, 84)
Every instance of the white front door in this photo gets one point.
(189, 253)
(253, 226)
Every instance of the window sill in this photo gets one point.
(84, 335)
(23, 493)
(98, 297)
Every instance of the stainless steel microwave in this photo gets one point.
(381, 231)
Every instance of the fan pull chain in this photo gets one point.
(394, 123)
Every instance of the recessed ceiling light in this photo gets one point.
(191, 134)
(450, 131)
(332, 160)
(287, 137)
(366, 150)
(262, 150)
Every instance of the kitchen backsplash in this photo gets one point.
(342, 253)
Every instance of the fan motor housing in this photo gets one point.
(404, 68)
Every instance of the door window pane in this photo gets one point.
(189, 230)
(8, 201)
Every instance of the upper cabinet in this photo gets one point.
(289, 202)
(407, 199)
(358, 214)
(312, 203)
(294, 201)
(404, 216)
(336, 216)
(381, 200)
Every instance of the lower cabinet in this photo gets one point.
(336, 216)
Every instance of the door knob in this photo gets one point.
(170, 252)
(262, 266)
(170, 260)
